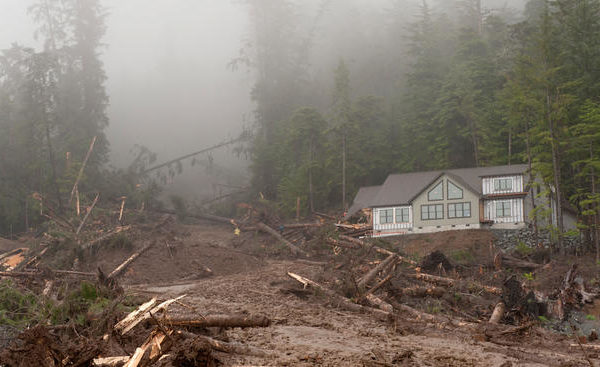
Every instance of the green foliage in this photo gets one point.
(462, 256)
(543, 319)
(529, 276)
(522, 249)
(590, 317)
(19, 308)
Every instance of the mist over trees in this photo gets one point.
(419, 86)
(52, 103)
(345, 92)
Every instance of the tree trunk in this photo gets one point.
(50, 151)
(475, 142)
(53, 166)
(530, 170)
(479, 16)
(556, 171)
(310, 182)
(595, 233)
(344, 173)
(509, 144)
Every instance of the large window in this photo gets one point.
(429, 212)
(503, 209)
(454, 192)
(386, 216)
(503, 184)
(459, 210)
(402, 215)
(437, 193)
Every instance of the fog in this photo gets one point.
(168, 79)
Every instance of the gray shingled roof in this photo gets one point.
(363, 199)
(399, 189)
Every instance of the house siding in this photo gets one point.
(422, 199)
(516, 184)
(516, 211)
(391, 228)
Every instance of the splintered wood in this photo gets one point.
(144, 312)
(134, 317)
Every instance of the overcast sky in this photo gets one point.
(166, 63)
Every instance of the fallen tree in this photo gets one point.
(340, 300)
(223, 321)
(295, 250)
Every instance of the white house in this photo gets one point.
(482, 197)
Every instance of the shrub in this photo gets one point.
(522, 249)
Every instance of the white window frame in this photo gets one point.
(388, 216)
(504, 184)
(503, 206)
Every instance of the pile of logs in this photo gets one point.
(169, 333)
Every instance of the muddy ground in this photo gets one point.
(249, 276)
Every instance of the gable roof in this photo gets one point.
(401, 189)
(363, 199)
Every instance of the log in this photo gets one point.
(105, 236)
(33, 259)
(334, 242)
(12, 252)
(123, 198)
(301, 225)
(416, 314)
(595, 347)
(80, 174)
(214, 218)
(342, 301)
(379, 303)
(124, 324)
(498, 313)
(126, 263)
(449, 282)
(87, 214)
(242, 137)
(295, 250)
(389, 261)
(20, 274)
(137, 356)
(223, 321)
(381, 283)
(323, 215)
(110, 361)
(145, 314)
(377, 248)
(78, 273)
(513, 262)
(232, 348)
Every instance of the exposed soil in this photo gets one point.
(307, 328)
(248, 275)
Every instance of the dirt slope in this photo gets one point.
(308, 330)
